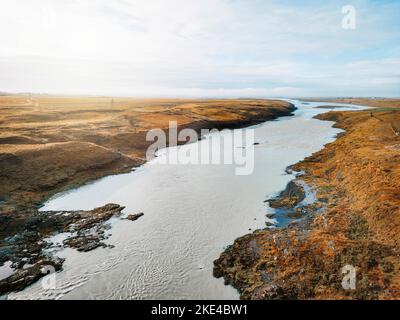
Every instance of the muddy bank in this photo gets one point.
(354, 220)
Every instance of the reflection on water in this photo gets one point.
(192, 212)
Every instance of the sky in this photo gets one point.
(207, 48)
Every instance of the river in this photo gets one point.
(191, 213)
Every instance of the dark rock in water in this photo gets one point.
(134, 217)
(84, 243)
(91, 228)
(296, 214)
(289, 198)
(92, 218)
(26, 246)
(289, 170)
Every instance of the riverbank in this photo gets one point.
(52, 144)
(354, 220)
(380, 102)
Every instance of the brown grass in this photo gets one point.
(49, 144)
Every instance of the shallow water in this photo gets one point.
(6, 270)
(192, 212)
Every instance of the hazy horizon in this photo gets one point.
(207, 49)
(155, 96)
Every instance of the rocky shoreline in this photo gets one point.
(236, 263)
(85, 231)
(354, 221)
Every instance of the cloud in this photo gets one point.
(199, 48)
